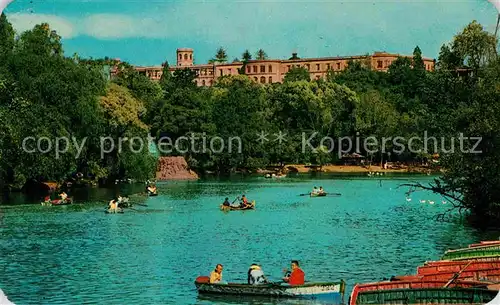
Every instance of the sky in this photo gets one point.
(148, 32)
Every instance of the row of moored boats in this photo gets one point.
(469, 275)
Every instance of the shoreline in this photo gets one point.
(302, 168)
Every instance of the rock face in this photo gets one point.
(174, 168)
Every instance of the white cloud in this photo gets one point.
(23, 22)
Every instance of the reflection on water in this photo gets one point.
(152, 254)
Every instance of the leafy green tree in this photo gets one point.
(166, 76)
(6, 35)
(41, 41)
(297, 74)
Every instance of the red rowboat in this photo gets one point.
(409, 283)
(485, 243)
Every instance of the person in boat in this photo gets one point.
(244, 202)
(152, 189)
(226, 202)
(321, 190)
(315, 190)
(63, 196)
(113, 205)
(297, 276)
(216, 275)
(256, 275)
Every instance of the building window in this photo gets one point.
(255, 78)
(338, 66)
(317, 67)
(308, 67)
(262, 69)
(318, 76)
(211, 82)
(185, 56)
(248, 69)
(328, 66)
(229, 71)
(270, 68)
(270, 80)
(180, 56)
(263, 80)
(190, 56)
(203, 82)
(288, 67)
(254, 69)
(221, 72)
(379, 64)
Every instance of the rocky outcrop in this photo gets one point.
(174, 168)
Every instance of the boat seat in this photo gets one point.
(203, 280)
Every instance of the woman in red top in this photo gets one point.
(297, 275)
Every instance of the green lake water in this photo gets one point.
(151, 255)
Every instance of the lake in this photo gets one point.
(151, 255)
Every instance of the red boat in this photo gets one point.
(62, 202)
(409, 283)
(470, 271)
(485, 243)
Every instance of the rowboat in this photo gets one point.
(115, 211)
(470, 270)
(485, 243)
(59, 202)
(237, 208)
(333, 292)
(417, 291)
(476, 253)
(318, 194)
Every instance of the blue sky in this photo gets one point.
(147, 32)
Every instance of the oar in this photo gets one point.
(456, 275)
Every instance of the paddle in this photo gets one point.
(456, 275)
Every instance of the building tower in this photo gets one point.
(184, 57)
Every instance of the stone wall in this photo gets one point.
(174, 168)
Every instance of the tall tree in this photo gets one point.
(246, 56)
(475, 46)
(41, 41)
(418, 62)
(166, 76)
(6, 35)
(261, 55)
(220, 56)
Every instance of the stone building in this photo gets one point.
(274, 70)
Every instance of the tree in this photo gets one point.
(122, 110)
(241, 110)
(261, 55)
(418, 62)
(474, 46)
(246, 56)
(166, 76)
(297, 74)
(220, 56)
(41, 41)
(6, 35)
